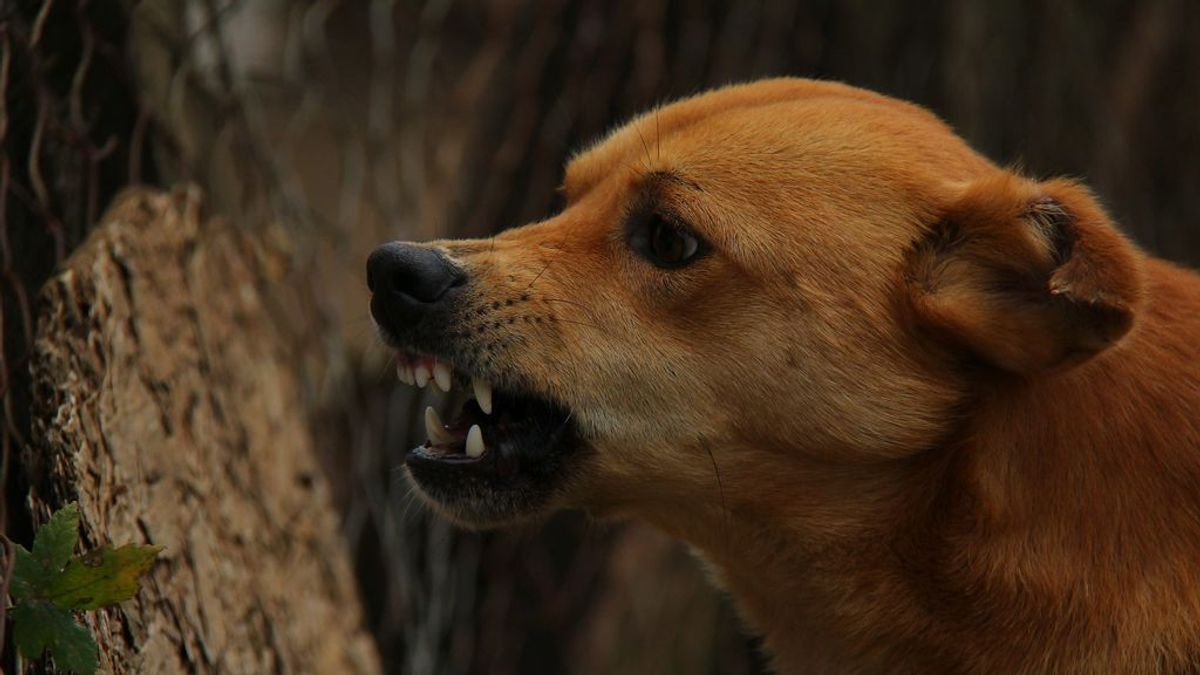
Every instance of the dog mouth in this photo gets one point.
(501, 455)
(492, 425)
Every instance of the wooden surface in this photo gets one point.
(168, 406)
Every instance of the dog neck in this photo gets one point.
(789, 548)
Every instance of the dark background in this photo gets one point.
(344, 124)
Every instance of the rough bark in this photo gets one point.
(167, 404)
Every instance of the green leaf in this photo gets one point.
(29, 578)
(55, 541)
(52, 547)
(102, 577)
(39, 627)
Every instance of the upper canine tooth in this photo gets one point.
(483, 394)
(441, 375)
(475, 446)
(421, 373)
(435, 429)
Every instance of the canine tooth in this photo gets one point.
(483, 394)
(421, 374)
(400, 371)
(435, 429)
(441, 375)
(475, 446)
(408, 375)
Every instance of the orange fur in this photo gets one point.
(919, 413)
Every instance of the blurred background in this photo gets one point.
(330, 126)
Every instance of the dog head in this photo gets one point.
(779, 279)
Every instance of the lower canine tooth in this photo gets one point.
(441, 375)
(475, 446)
(483, 394)
(435, 429)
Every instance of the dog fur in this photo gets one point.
(919, 413)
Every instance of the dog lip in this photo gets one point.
(425, 456)
(487, 463)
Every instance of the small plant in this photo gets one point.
(48, 585)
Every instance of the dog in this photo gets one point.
(919, 413)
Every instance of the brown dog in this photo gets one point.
(919, 413)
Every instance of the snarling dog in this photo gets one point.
(919, 413)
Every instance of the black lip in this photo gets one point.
(433, 465)
(407, 323)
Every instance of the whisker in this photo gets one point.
(569, 302)
(565, 422)
(410, 502)
(586, 310)
(645, 146)
(658, 135)
(387, 369)
(720, 490)
(539, 275)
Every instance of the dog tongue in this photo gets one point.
(446, 440)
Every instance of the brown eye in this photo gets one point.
(663, 242)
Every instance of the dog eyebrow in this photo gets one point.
(663, 176)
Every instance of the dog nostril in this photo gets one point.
(401, 280)
(421, 273)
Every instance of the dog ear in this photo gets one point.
(1027, 276)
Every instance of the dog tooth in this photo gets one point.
(483, 394)
(400, 371)
(421, 374)
(475, 446)
(441, 375)
(408, 376)
(435, 429)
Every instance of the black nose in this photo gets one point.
(423, 274)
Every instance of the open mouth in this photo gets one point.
(498, 456)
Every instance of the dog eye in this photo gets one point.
(664, 243)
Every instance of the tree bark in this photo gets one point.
(167, 404)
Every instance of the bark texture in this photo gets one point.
(167, 403)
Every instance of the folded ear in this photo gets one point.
(1028, 276)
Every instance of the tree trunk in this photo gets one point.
(167, 404)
